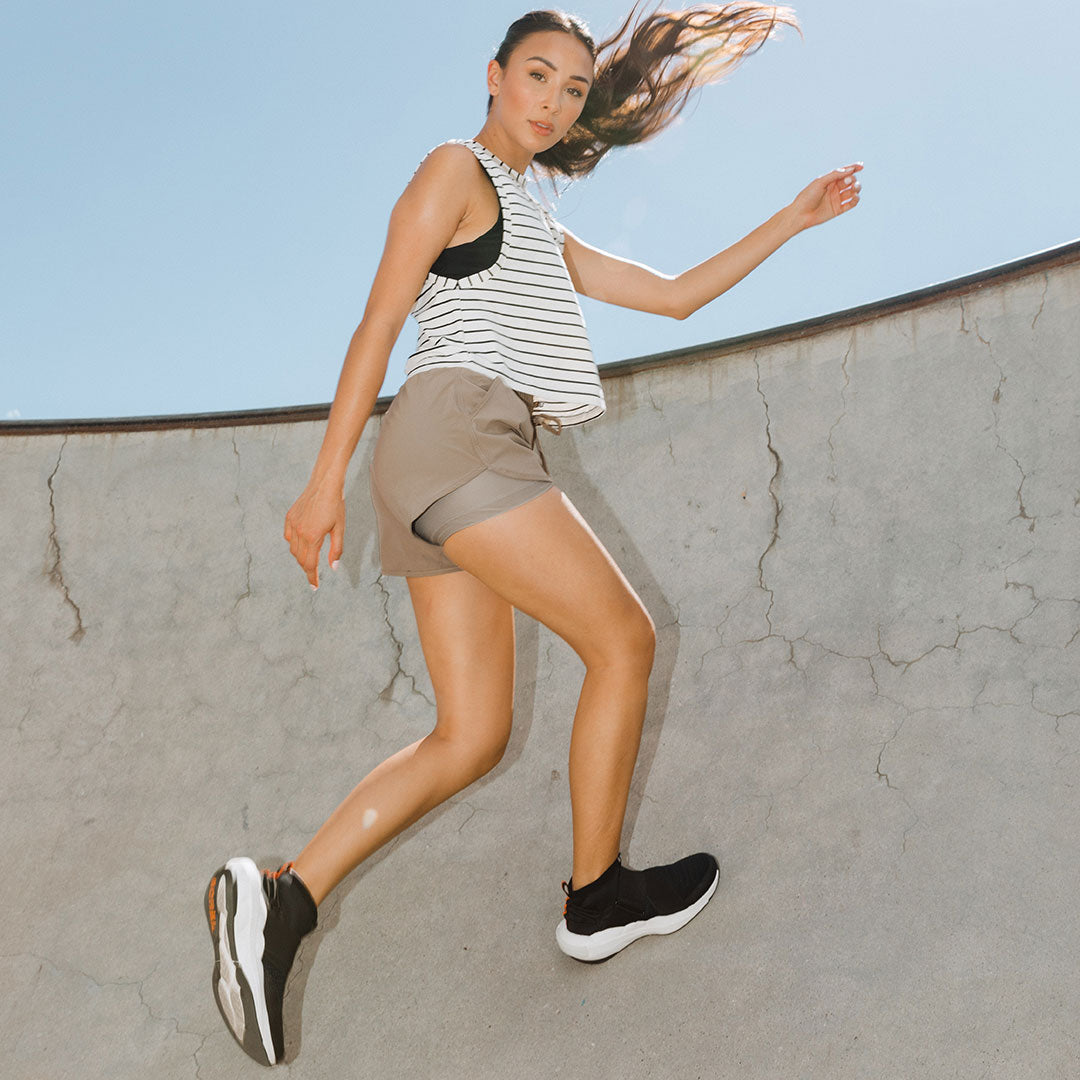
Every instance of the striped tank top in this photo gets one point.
(519, 319)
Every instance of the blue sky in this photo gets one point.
(195, 196)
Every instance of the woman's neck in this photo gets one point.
(517, 157)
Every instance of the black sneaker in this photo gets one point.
(256, 920)
(622, 905)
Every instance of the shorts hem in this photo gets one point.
(465, 517)
(421, 573)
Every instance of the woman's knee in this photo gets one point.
(488, 752)
(628, 643)
(475, 753)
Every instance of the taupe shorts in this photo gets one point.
(454, 448)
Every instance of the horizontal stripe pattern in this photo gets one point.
(520, 318)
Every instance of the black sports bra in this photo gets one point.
(461, 260)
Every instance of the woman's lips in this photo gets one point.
(541, 129)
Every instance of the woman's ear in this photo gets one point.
(494, 74)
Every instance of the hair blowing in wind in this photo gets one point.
(647, 70)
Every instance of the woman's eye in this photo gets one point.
(574, 89)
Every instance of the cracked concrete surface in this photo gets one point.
(56, 571)
(774, 485)
(861, 549)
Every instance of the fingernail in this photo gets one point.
(335, 564)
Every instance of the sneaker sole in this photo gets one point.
(236, 914)
(604, 943)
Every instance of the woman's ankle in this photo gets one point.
(596, 879)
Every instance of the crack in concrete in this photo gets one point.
(873, 678)
(961, 631)
(879, 772)
(1022, 585)
(718, 629)
(791, 659)
(877, 768)
(473, 811)
(1042, 301)
(768, 813)
(880, 775)
(202, 1036)
(1023, 514)
(899, 663)
(976, 703)
(1058, 717)
(195, 1055)
(677, 604)
(305, 673)
(771, 796)
(832, 475)
(868, 660)
(386, 693)
(243, 531)
(66, 969)
(652, 401)
(778, 506)
(20, 726)
(903, 839)
(547, 654)
(995, 401)
(56, 570)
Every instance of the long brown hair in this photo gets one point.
(641, 84)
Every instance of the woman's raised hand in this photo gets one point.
(317, 512)
(827, 196)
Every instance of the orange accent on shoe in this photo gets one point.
(211, 906)
(279, 871)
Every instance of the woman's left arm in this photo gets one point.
(607, 277)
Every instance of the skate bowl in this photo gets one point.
(859, 539)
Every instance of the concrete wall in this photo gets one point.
(860, 543)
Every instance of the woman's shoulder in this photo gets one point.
(448, 164)
(445, 180)
(451, 154)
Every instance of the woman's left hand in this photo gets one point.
(827, 197)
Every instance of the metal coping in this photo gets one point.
(289, 414)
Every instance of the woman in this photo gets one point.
(466, 509)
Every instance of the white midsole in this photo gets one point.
(228, 988)
(248, 924)
(605, 943)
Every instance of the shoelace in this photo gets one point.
(270, 880)
(566, 887)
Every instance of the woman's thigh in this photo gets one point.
(544, 559)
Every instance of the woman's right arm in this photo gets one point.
(422, 223)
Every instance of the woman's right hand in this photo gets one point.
(317, 512)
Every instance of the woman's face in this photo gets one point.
(543, 89)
